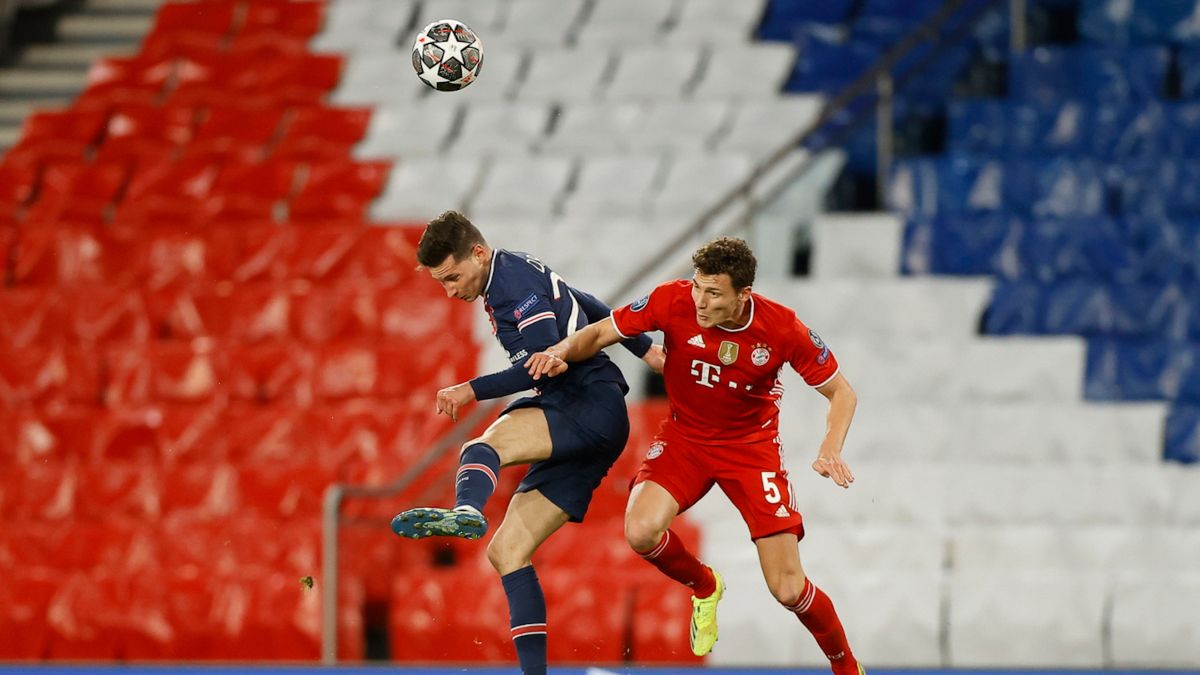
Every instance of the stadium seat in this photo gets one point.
(400, 131)
(527, 186)
(302, 19)
(140, 131)
(652, 73)
(692, 182)
(322, 133)
(725, 76)
(30, 316)
(57, 135)
(583, 127)
(426, 624)
(541, 24)
(614, 187)
(270, 373)
(1094, 74)
(1059, 614)
(1163, 637)
(338, 190)
(168, 191)
(684, 128)
(364, 77)
(117, 80)
(501, 128)
(620, 21)
(46, 374)
(118, 490)
(765, 126)
(24, 602)
(563, 76)
(714, 21)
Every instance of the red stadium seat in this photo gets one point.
(189, 433)
(171, 257)
(118, 489)
(439, 318)
(46, 491)
(120, 80)
(77, 193)
(17, 185)
(246, 313)
(267, 252)
(299, 18)
(200, 491)
(142, 131)
(429, 623)
(172, 372)
(271, 373)
(346, 370)
(325, 252)
(234, 133)
(48, 374)
(168, 191)
(322, 134)
(588, 611)
(24, 602)
(276, 490)
(86, 616)
(106, 314)
(30, 316)
(328, 313)
(339, 190)
(251, 191)
(212, 16)
(660, 631)
(70, 254)
(59, 134)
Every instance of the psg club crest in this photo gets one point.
(728, 352)
(656, 449)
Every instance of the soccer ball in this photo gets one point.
(447, 55)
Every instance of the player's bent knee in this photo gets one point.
(786, 587)
(643, 534)
(505, 558)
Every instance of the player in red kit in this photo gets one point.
(725, 349)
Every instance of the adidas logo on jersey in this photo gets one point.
(782, 512)
(697, 341)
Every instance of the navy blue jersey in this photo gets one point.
(532, 308)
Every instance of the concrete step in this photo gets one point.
(9, 135)
(14, 111)
(41, 84)
(104, 28)
(144, 7)
(66, 55)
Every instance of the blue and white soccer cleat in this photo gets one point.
(435, 522)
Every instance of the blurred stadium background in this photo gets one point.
(989, 208)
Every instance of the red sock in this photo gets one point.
(816, 612)
(673, 559)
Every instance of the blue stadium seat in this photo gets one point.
(823, 65)
(1095, 74)
(1092, 248)
(783, 16)
(1183, 435)
(1065, 188)
(976, 245)
(912, 11)
(1138, 22)
(1189, 70)
(1142, 369)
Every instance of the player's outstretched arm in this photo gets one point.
(842, 402)
(583, 344)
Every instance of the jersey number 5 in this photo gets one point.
(771, 489)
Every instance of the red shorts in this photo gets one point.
(751, 475)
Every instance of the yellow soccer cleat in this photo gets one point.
(862, 669)
(703, 633)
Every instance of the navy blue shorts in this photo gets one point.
(589, 427)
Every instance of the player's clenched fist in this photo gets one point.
(452, 399)
(546, 363)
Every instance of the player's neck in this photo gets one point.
(740, 319)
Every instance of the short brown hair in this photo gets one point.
(727, 255)
(450, 234)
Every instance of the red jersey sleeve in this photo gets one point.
(647, 313)
(811, 356)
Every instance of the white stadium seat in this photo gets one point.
(501, 128)
(764, 125)
(695, 182)
(614, 186)
(651, 72)
(1154, 620)
(627, 22)
(684, 128)
(374, 77)
(522, 186)
(595, 127)
(716, 21)
(407, 130)
(538, 24)
(756, 70)
(564, 75)
(367, 26)
(1022, 618)
(421, 188)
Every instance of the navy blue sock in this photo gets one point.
(527, 616)
(476, 480)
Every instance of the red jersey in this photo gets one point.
(723, 383)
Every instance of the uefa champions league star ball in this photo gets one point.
(447, 55)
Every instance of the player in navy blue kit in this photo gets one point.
(570, 433)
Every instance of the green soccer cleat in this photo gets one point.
(435, 522)
(703, 632)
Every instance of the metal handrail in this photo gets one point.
(876, 80)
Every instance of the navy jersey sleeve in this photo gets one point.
(598, 311)
(538, 329)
